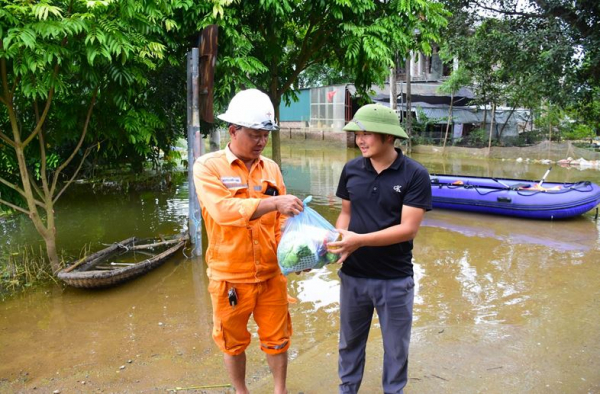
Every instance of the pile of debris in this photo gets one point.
(568, 162)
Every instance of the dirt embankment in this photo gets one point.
(553, 151)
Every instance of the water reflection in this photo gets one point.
(494, 297)
(95, 219)
(319, 290)
(578, 234)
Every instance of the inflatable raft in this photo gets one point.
(514, 197)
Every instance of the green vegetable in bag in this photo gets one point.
(290, 260)
(303, 244)
(303, 251)
(293, 256)
(332, 257)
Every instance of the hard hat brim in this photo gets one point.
(256, 126)
(375, 127)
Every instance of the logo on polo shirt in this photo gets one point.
(398, 188)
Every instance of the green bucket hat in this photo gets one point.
(376, 118)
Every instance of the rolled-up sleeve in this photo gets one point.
(281, 219)
(216, 198)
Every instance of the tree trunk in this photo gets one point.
(448, 123)
(484, 116)
(393, 89)
(408, 104)
(529, 120)
(549, 133)
(491, 129)
(505, 123)
(50, 240)
(46, 195)
(276, 140)
(48, 230)
(275, 135)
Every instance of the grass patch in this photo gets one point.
(22, 268)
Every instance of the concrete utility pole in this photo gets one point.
(200, 84)
(195, 150)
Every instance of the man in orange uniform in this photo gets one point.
(244, 201)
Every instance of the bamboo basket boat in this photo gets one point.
(99, 269)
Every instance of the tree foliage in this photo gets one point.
(58, 62)
(105, 79)
(528, 53)
(578, 22)
(270, 43)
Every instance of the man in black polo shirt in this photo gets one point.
(384, 198)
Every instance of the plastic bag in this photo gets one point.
(304, 241)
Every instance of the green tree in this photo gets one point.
(577, 22)
(459, 78)
(270, 43)
(532, 53)
(58, 62)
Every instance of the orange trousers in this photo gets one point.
(266, 301)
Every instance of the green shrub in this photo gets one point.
(419, 139)
(478, 138)
(578, 131)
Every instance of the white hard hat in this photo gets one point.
(251, 108)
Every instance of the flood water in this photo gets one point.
(502, 304)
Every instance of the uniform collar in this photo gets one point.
(231, 157)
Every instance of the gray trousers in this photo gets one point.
(393, 300)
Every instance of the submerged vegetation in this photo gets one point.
(23, 267)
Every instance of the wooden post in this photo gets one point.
(393, 86)
(549, 131)
(491, 128)
(448, 123)
(208, 58)
(195, 150)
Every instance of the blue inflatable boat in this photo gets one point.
(514, 197)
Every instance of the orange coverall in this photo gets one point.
(242, 253)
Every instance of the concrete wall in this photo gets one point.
(305, 133)
(293, 124)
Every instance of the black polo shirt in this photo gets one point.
(376, 204)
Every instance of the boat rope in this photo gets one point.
(582, 187)
(120, 245)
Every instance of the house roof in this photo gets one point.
(438, 113)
